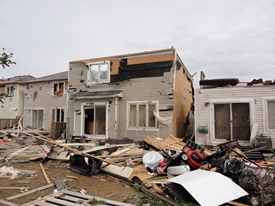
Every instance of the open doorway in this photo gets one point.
(95, 120)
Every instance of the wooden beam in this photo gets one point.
(46, 139)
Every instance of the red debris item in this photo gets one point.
(193, 154)
(162, 164)
(2, 142)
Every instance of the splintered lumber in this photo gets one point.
(30, 192)
(169, 143)
(45, 174)
(75, 151)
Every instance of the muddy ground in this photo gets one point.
(101, 185)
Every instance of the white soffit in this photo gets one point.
(209, 188)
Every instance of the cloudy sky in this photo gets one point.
(223, 38)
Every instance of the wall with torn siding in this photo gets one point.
(39, 96)
(255, 96)
(183, 100)
(13, 105)
(149, 78)
(139, 89)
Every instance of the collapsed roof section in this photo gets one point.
(226, 82)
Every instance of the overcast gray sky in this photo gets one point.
(223, 38)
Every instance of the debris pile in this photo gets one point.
(223, 173)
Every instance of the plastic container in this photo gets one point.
(178, 170)
(152, 159)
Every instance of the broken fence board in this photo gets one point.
(40, 203)
(31, 191)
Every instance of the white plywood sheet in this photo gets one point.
(209, 188)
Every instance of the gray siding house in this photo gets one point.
(240, 112)
(130, 95)
(45, 103)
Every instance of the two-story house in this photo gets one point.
(45, 103)
(12, 105)
(129, 95)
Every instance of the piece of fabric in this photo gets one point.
(164, 120)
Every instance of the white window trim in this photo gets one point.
(82, 133)
(43, 126)
(265, 115)
(100, 81)
(227, 101)
(141, 128)
(55, 108)
(57, 82)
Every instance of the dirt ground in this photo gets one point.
(100, 185)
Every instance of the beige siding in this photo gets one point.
(254, 93)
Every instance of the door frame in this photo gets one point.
(92, 105)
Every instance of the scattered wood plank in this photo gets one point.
(44, 138)
(30, 192)
(45, 174)
(14, 188)
(4, 202)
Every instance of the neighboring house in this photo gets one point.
(130, 95)
(226, 110)
(12, 107)
(45, 103)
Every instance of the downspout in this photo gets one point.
(116, 112)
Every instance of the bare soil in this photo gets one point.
(100, 185)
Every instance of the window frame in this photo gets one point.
(137, 104)
(250, 102)
(60, 116)
(58, 83)
(8, 88)
(265, 100)
(99, 64)
(43, 119)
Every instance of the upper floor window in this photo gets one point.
(58, 88)
(141, 115)
(9, 90)
(99, 72)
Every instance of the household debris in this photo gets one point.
(157, 164)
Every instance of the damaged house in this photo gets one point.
(130, 95)
(45, 103)
(228, 110)
(12, 108)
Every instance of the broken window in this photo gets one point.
(9, 90)
(58, 115)
(99, 72)
(232, 121)
(58, 88)
(141, 115)
(37, 118)
(270, 113)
